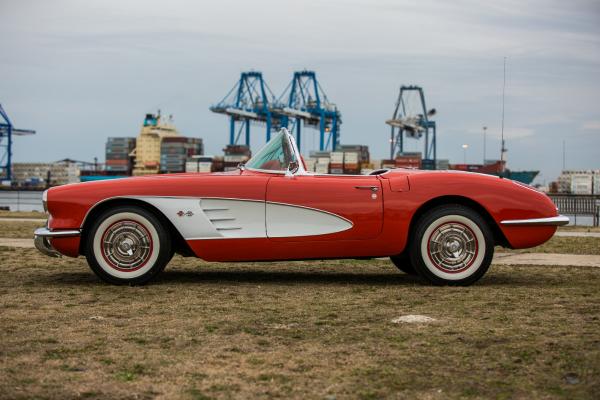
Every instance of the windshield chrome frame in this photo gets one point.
(292, 142)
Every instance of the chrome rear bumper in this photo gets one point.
(41, 242)
(559, 220)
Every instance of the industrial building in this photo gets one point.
(582, 182)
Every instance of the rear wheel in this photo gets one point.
(452, 245)
(403, 263)
(127, 245)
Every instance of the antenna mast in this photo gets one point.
(503, 148)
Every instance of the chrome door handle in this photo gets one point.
(371, 188)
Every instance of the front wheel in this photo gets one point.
(127, 245)
(452, 245)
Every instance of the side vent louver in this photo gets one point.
(220, 217)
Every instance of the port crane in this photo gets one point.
(305, 101)
(249, 101)
(7, 131)
(411, 119)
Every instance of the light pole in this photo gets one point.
(465, 147)
(484, 132)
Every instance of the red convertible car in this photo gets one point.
(440, 225)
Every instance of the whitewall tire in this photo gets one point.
(127, 245)
(452, 245)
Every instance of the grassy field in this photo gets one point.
(317, 329)
(561, 244)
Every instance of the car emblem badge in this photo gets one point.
(186, 213)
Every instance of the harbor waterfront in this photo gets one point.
(21, 200)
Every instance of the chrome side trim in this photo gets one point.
(45, 232)
(559, 220)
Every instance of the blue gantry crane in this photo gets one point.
(6, 141)
(305, 101)
(411, 119)
(249, 101)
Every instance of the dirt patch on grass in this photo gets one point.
(295, 330)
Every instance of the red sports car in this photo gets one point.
(440, 225)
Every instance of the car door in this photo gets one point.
(323, 207)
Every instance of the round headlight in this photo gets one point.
(45, 200)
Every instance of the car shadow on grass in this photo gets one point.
(244, 276)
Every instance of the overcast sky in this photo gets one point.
(80, 71)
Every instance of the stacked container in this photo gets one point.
(118, 161)
(442, 164)
(356, 157)
(322, 160)
(388, 164)
(175, 150)
(336, 163)
(409, 160)
(234, 155)
(199, 164)
(310, 164)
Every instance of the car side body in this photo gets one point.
(255, 215)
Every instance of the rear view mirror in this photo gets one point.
(292, 168)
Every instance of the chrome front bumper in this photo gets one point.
(559, 220)
(41, 242)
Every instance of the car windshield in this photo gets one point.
(276, 155)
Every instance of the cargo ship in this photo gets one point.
(415, 160)
(497, 168)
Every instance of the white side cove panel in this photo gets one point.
(235, 218)
(215, 218)
(286, 220)
(198, 218)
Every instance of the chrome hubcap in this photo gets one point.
(452, 247)
(126, 245)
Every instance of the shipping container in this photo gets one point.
(321, 168)
(427, 164)
(337, 157)
(352, 158)
(442, 164)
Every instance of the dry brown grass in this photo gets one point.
(295, 330)
(579, 228)
(22, 214)
(18, 229)
(564, 245)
